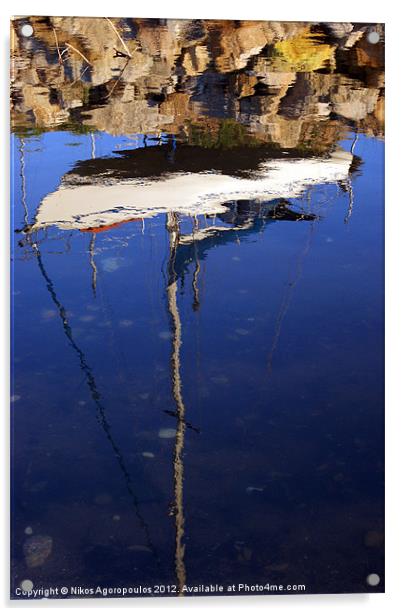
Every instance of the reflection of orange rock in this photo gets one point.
(238, 44)
(276, 80)
(178, 106)
(46, 114)
(379, 110)
(240, 41)
(196, 59)
(246, 84)
(124, 117)
(354, 104)
(369, 55)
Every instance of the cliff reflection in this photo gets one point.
(291, 84)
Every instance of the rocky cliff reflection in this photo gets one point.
(291, 84)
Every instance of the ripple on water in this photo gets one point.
(167, 433)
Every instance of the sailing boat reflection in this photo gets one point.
(105, 192)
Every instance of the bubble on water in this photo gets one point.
(165, 335)
(38, 486)
(48, 314)
(144, 396)
(116, 518)
(219, 380)
(167, 433)
(204, 392)
(373, 579)
(86, 318)
(251, 489)
(242, 332)
(15, 398)
(139, 548)
(111, 264)
(81, 402)
(102, 499)
(236, 259)
(27, 585)
(28, 530)
(149, 454)
(27, 30)
(126, 323)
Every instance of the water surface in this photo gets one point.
(198, 317)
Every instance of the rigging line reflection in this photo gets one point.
(195, 287)
(93, 263)
(117, 81)
(288, 294)
(175, 363)
(196, 308)
(289, 290)
(350, 188)
(96, 397)
(350, 209)
(23, 180)
(93, 236)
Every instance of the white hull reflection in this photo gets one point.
(97, 205)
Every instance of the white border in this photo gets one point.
(340, 10)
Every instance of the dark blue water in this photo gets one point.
(258, 353)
